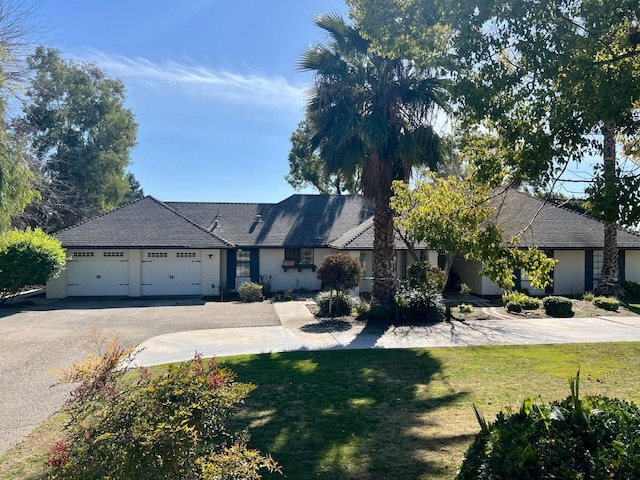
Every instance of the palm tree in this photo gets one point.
(371, 115)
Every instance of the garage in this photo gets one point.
(97, 273)
(171, 272)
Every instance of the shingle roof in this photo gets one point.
(297, 221)
(146, 223)
(554, 227)
(343, 222)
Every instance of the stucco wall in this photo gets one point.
(57, 286)
(210, 271)
(468, 271)
(632, 265)
(568, 276)
(271, 264)
(135, 273)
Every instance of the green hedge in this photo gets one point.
(558, 306)
(577, 438)
(607, 303)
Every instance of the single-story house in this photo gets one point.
(155, 248)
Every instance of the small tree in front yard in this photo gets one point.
(339, 272)
(28, 257)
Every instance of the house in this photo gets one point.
(155, 248)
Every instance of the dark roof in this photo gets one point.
(146, 223)
(297, 221)
(554, 227)
(342, 222)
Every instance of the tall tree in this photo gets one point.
(558, 78)
(372, 114)
(306, 168)
(81, 136)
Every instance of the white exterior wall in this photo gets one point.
(271, 264)
(57, 286)
(135, 273)
(210, 282)
(468, 271)
(632, 265)
(490, 288)
(568, 276)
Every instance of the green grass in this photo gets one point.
(395, 414)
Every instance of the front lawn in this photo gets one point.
(394, 414)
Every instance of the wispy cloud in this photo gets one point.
(253, 89)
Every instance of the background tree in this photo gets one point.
(28, 258)
(81, 136)
(306, 168)
(371, 114)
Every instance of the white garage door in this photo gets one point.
(171, 272)
(98, 273)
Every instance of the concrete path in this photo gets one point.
(300, 330)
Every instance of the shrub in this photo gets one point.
(342, 304)
(465, 289)
(588, 296)
(465, 308)
(525, 301)
(28, 257)
(513, 306)
(172, 425)
(250, 292)
(590, 437)
(339, 272)
(420, 305)
(363, 308)
(266, 281)
(632, 288)
(558, 306)
(426, 277)
(607, 303)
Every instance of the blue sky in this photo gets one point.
(213, 85)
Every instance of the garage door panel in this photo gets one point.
(171, 273)
(98, 273)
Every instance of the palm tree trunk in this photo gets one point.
(610, 276)
(384, 275)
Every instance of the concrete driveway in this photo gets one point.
(51, 336)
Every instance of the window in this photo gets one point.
(113, 254)
(363, 263)
(82, 254)
(597, 267)
(243, 263)
(186, 254)
(299, 256)
(156, 254)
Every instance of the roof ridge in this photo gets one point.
(187, 219)
(358, 231)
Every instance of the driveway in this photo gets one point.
(51, 335)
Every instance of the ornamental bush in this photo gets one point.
(513, 306)
(525, 301)
(607, 303)
(250, 292)
(334, 304)
(558, 306)
(426, 277)
(150, 426)
(420, 305)
(340, 272)
(28, 257)
(632, 288)
(576, 438)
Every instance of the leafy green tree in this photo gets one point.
(307, 169)
(558, 79)
(456, 217)
(339, 272)
(81, 136)
(28, 257)
(370, 114)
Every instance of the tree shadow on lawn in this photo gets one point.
(360, 414)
